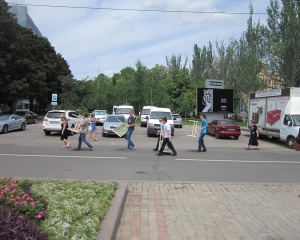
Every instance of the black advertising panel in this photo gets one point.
(214, 100)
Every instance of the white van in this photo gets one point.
(153, 125)
(144, 114)
(124, 110)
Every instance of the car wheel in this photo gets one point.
(103, 135)
(47, 133)
(217, 136)
(148, 135)
(23, 126)
(181, 126)
(5, 129)
(35, 120)
(236, 137)
(290, 142)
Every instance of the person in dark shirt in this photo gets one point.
(254, 134)
(131, 124)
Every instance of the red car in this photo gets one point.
(223, 128)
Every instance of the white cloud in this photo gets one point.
(112, 39)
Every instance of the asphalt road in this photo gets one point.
(32, 154)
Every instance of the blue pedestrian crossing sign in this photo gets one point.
(54, 97)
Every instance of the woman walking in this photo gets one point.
(65, 132)
(92, 122)
(254, 134)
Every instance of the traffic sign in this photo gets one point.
(54, 97)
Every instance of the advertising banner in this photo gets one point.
(275, 109)
(257, 112)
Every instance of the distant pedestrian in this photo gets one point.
(131, 124)
(84, 130)
(254, 134)
(159, 134)
(65, 132)
(167, 138)
(94, 132)
(201, 145)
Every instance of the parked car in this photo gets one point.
(111, 122)
(30, 116)
(12, 122)
(100, 116)
(177, 120)
(223, 128)
(52, 123)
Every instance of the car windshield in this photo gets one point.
(146, 111)
(157, 115)
(99, 112)
(176, 115)
(124, 110)
(296, 119)
(4, 117)
(227, 122)
(115, 119)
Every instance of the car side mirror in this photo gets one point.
(289, 123)
(174, 118)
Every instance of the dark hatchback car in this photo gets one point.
(223, 128)
(29, 116)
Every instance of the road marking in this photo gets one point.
(235, 161)
(55, 156)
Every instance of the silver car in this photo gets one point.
(12, 122)
(177, 120)
(111, 122)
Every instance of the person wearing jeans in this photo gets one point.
(84, 130)
(202, 135)
(131, 124)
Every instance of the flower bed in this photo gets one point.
(62, 209)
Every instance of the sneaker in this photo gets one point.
(158, 154)
(132, 147)
(204, 150)
(91, 149)
(76, 149)
(174, 154)
(155, 149)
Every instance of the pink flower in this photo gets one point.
(40, 214)
(14, 190)
(13, 185)
(32, 203)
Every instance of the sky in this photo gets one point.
(95, 41)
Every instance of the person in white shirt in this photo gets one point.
(167, 139)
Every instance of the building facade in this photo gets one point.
(24, 20)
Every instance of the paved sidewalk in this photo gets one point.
(193, 211)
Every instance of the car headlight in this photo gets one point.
(106, 128)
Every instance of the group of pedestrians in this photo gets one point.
(164, 135)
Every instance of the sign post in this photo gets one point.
(54, 100)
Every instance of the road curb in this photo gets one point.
(110, 223)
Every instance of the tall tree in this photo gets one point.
(284, 44)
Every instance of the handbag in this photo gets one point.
(90, 128)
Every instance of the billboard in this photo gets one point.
(214, 100)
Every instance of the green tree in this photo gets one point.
(283, 41)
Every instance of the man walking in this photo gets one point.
(202, 135)
(131, 124)
(167, 138)
(84, 130)
(159, 134)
